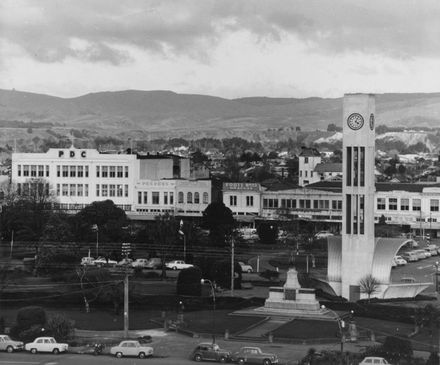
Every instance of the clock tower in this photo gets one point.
(358, 187)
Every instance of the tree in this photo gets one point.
(60, 327)
(396, 348)
(189, 282)
(268, 232)
(369, 285)
(30, 320)
(198, 156)
(217, 217)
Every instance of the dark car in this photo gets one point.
(254, 355)
(210, 351)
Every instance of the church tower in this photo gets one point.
(358, 187)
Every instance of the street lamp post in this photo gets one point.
(436, 265)
(203, 281)
(341, 325)
(184, 239)
(95, 228)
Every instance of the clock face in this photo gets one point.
(371, 121)
(355, 121)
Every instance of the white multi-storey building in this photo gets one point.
(143, 185)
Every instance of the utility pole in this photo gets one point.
(232, 267)
(126, 249)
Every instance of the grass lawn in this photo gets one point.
(308, 329)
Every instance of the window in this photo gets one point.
(145, 197)
(165, 198)
(72, 190)
(112, 190)
(205, 198)
(392, 203)
(26, 170)
(104, 190)
(337, 204)
(104, 170)
(98, 168)
(97, 189)
(126, 190)
(80, 171)
(80, 190)
(301, 203)
(300, 173)
(434, 205)
(47, 170)
(112, 171)
(119, 191)
(58, 189)
(311, 173)
(306, 173)
(380, 203)
(87, 171)
(65, 189)
(416, 204)
(126, 171)
(308, 204)
(86, 190)
(72, 171)
(40, 170)
(404, 204)
(265, 203)
(18, 170)
(315, 204)
(120, 174)
(249, 201)
(233, 200)
(306, 160)
(65, 171)
(33, 170)
(189, 198)
(155, 197)
(171, 198)
(196, 198)
(139, 197)
(58, 170)
(180, 197)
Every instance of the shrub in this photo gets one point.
(270, 275)
(29, 334)
(29, 316)
(188, 282)
(397, 348)
(60, 327)
(221, 274)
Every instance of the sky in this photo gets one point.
(226, 48)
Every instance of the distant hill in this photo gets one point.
(183, 114)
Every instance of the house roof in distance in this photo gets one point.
(309, 152)
(329, 167)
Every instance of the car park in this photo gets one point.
(399, 260)
(421, 254)
(154, 263)
(177, 265)
(125, 262)
(140, 263)
(254, 355)
(372, 360)
(102, 261)
(323, 234)
(245, 267)
(132, 348)
(210, 352)
(9, 345)
(46, 344)
(432, 249)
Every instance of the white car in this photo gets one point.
(142, 263)
(374, 361)
(102, 261)
(399, 260)
(87, 261)
(132, 348)
(46, 344)
(323, 234)
(411, 243)
(245, 267)
(125, 261)
(177, 265)
(8, 345)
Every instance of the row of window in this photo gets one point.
(33, 170)
(33, 188)
(192, 199)
(302, 204)
(416, 204)
(112, 171)
(167, 197)
(233, 200)
(305, 173)
(112, 190)
(72, 171)
(72, 190)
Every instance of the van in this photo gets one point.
(410, 256)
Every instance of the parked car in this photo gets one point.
(87, 261)
(125, 262)
(177, 265)
(102, 261)
(131, 348)
(399, 260)
(140, 263)
(433, 249)
(323, 234)
(422, 254)
(245, 267)
(371, 360)
(254, 355)
(410, 256)
(154, 263)
(210, 351)
(46, 344)
(8, 345)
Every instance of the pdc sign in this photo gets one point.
(72, 154)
